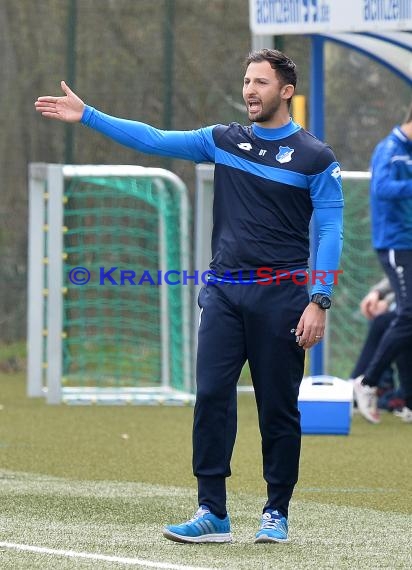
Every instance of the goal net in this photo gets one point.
(109, 318)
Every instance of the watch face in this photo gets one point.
(322, 300)
(325, 302)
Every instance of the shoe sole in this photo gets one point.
(370, 419)
(266, 539)
(222, 537)
(361, 411)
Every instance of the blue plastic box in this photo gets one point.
(325, 404)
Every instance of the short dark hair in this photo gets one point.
(281, 63)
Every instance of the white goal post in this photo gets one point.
(48, 286)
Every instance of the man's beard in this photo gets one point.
(267, 114)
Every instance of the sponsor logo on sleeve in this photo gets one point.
(336, 172)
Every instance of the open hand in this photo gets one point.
(68, 108)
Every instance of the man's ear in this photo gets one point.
(287, 91)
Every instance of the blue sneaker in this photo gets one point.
(274, 528)
(203, 527)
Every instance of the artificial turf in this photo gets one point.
(105, 479)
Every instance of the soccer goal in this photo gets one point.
(108, 320)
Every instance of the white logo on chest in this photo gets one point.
(245, 146)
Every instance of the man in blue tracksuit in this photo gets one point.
(391, 215)
(270, 178)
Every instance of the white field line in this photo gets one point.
(93, 556)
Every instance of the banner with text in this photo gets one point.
(278, 17)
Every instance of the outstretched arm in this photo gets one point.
(197, 145)
(68, 108)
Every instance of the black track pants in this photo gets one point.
(254, 322)
(398, 337)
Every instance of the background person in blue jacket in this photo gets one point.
(391, 217)
(270, 177)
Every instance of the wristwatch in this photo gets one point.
(323, 301)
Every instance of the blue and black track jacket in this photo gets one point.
(391, 192)
(267, 184)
